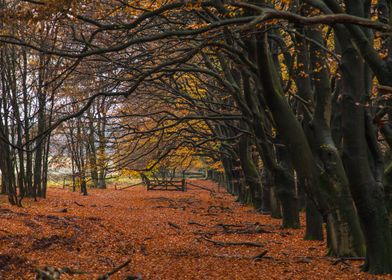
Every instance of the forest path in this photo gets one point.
(165, 235)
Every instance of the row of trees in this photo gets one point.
(291, 98)
(38, 93)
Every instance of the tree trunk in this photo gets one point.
(251, 174)
(314, 222)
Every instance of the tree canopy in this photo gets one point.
(286, 103)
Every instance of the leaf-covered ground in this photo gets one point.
(165, 235)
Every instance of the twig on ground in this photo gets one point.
(174, 225)
(161, 198)
(224, 244)
(229, 225)
(246, 230)
(344, 260)
(78, 204)
(260, 256)
(143, 249)
(224, 256)
(222, 208)
(113, 271)
(196, 223)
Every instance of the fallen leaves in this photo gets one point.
(180, 239)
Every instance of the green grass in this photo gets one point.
(111, 181)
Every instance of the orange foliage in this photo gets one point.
(109, 227)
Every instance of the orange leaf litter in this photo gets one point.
(163, 234)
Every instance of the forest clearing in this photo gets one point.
(163, 234)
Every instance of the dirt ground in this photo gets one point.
(163, 235)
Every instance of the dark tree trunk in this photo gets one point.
(286, 190)
(314, 222)
(251, 174)
(366, 191)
